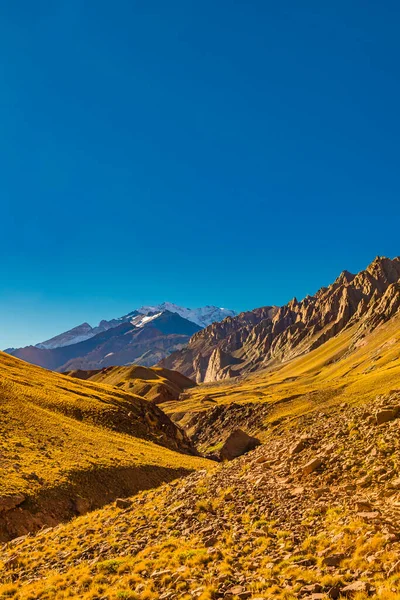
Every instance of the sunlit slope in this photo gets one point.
(341, 370)
(155, 383)
(67, 445)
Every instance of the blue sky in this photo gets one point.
(236, 153)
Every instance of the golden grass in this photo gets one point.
(100, 555)
(147, 382)
(52, 426)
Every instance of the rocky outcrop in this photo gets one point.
(258, 338)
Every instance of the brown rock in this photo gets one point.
(354, 588)
(312, 588)
(395, 484)
(368, 516)
(385, 415)
(237, 590)
(82, 505)
(333, 560)
(394, 569)
(312, 466)
(238, 443)
(10, 501)
(363, 504)
(298, 447)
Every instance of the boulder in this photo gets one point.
(239, 442)
(82, 505)
(385, 415)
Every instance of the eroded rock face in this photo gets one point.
(254, 339)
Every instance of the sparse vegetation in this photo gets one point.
(64, 439)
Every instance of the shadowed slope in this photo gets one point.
(60, 435)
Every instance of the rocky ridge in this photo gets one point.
(269, 335)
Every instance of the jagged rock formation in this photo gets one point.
(261, 337)
(231, 333)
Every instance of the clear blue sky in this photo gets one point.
(236, 153)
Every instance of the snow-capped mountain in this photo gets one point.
(202, 317)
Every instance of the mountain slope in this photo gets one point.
(353, 367)
(69, 445)
(139, 341)
(311, 514)
(155, 384)
(238, 345)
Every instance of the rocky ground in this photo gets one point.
(313, 513)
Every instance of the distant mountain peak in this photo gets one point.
(202, 317)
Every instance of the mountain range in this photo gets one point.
(271, 335)
(143, 336)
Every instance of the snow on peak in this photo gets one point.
(140, 320)
(201, 316)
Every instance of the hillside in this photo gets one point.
(68, 446)
(353, 367)
(311, 514)
(268, 336)
(156, 384)
(141, 340)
